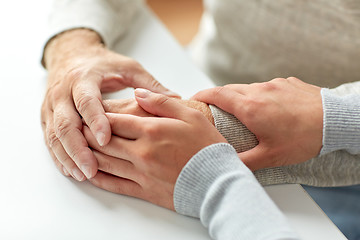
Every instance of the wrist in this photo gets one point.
(70, 45)
(200, 106)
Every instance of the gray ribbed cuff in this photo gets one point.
(341, 122)
(200, 173)
(236, 133)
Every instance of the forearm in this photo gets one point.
(338, 168)
(223, 197)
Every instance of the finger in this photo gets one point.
(125, 125)
(88, 102)
(225, 98)
(58, 164)
(117, 185)
(125, 106)
(66, 161)
(256, 158)
(117, 147)
(146, 81)
(161, 105)
(58, 154)
(115, 166)
(239, 88)
(44, 124)
(67, 125)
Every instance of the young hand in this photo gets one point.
(286, 115)
(146, 154)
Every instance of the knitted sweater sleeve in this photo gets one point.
(339, 161)
(218, 188)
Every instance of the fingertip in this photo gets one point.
(102, 130)
(141, 93)
(65, 172)
(202, 95)
(88, 171)
(100, 138)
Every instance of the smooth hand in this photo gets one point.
(286, 115)
(146, 154)
(80, 69)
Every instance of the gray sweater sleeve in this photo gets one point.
(218, 188)
(334, 167)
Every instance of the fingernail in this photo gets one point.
(142, 93)
(78, 175)
(86, 170)
(100, 138)
(66, 172)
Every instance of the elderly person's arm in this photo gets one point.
(80, 67)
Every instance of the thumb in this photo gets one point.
(160, 105)
(255, 159)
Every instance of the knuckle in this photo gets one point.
(152, 130)
(73, 74)
(154, 84)
(218, 92)
(196, 114)
(278, 80)
(132, 62)
(52, 139)
(55, 93)
(160, 100)
(294, 80)
(146, 156)
(269, 86)
(75, 153)
(62, 127)
(83, 101)
(252, 106)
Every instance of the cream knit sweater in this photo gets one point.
(243, 41)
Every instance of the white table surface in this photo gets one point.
(37, 202)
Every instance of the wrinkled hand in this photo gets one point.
(131, 106)
(146, 154)
(80, 69)
(286, 115)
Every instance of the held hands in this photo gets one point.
(146, 154)
(80, 69)
(286, 115)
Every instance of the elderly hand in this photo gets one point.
(80, 69)
(131, 106)
(146, 154)
(286, 115)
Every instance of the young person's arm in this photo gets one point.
(337, 168)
